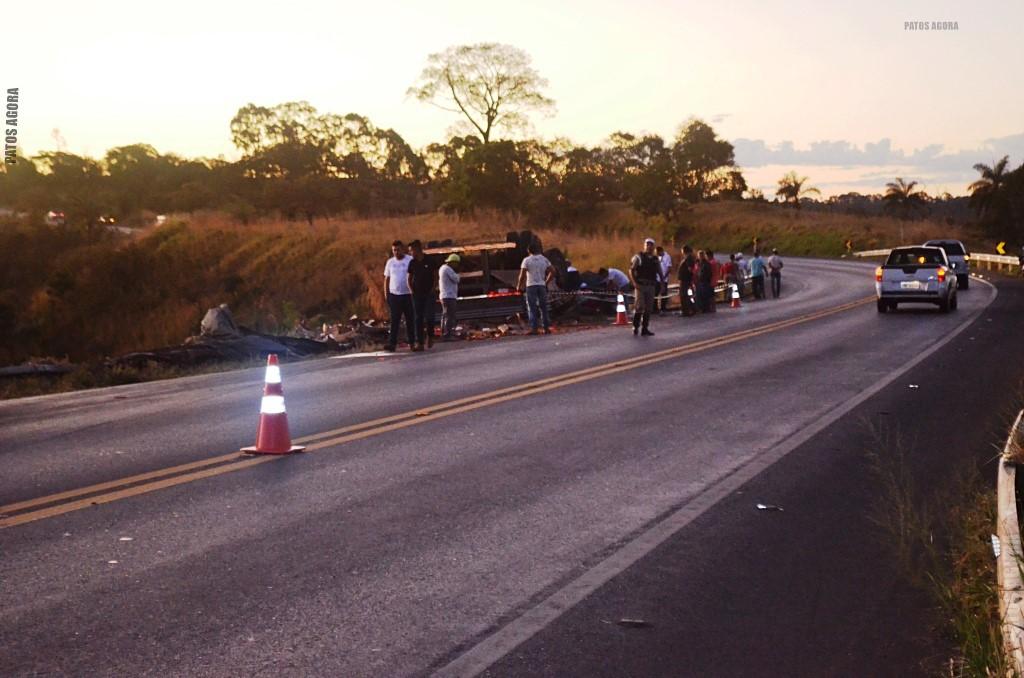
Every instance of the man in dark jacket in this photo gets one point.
(685, 274)
(422, 276)
(705, 288)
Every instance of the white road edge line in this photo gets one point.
(494, 647)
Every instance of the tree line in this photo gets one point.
(305, 165)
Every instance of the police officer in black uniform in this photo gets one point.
(645, 271)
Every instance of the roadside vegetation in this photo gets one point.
(940, 538)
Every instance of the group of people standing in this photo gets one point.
(698, 274)
(410, 281)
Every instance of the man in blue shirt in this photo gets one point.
(757, 274)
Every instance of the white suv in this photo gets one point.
(959, 260)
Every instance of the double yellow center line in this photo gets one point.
(103, 493)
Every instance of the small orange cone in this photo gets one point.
(272, 436)
(735, 297)
(620, 311)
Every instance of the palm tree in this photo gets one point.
(902, 198)
(791, 189)
(984, 190)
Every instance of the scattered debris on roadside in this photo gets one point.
(768, 507)
(37, 368)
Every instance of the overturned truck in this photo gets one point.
(488, 273)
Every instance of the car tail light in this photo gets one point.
(878, 274)
(942, 274)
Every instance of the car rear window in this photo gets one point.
(914, 255)
(951, 248)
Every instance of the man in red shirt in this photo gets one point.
(729, 275)
(716, 276)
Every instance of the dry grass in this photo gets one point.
(940, 541)
(1014, 450)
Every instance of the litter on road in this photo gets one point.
(768, 507)
(634, 623)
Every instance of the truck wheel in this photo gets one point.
(963, 282)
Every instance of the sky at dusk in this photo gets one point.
(844, 94)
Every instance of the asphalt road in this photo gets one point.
(442, 541)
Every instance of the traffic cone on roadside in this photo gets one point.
(272, 436)
(620, 311)
(735, 297)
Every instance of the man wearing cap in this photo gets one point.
(645, 272)
(396, 287)
(448, 282)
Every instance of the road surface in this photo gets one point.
(488, 508)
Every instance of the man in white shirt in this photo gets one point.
(775, 273)
(666, 267)
(448, 282)
(614, 279)
(537, 272)
(396, 287)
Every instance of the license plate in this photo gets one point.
(910, 285)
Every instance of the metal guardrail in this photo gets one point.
(1009, 556)
(990, 260)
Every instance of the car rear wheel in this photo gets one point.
(883, 305)
(953, 302)
(944, 305)
(963, 282)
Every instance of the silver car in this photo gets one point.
(917, 274)
(959, 260)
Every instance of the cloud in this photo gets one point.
(927, 160)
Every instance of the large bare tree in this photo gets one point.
(493, 86)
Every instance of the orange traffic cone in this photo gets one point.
(620, 311)
(735, 297)
(272, 436)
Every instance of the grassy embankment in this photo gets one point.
(81, 297)
(940, 539)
